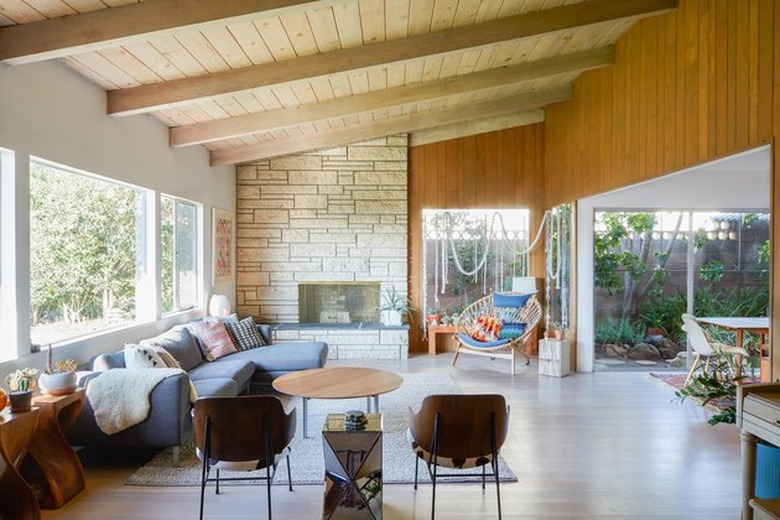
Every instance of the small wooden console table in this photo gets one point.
(17, 499)
(51, 466)
(433, 330)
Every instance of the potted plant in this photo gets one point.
(433, 316)
(21, 382)
(59, 378)
(395, 307)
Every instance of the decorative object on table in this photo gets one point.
(223, 230)
(355, 420)
(219, 305)
(395, 307)
(22, 382)
(433, 316)
(353, 468)
(59, 377)
(3, 399)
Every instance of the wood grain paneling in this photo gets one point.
(687, 87)
(494, 170)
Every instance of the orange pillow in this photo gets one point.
(487, 328)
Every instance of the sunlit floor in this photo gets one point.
(607, 445)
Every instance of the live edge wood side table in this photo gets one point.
(17, 501)
(51, 467)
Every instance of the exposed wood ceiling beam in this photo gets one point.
(162, 95)
(408, 123)
(66, 35)
(467, 128)
(349, 105)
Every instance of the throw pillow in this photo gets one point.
(511, 331)
(180, 344)
(137, 356)
(214, 338)
(487, 328)
(167, 358)
(244, 334)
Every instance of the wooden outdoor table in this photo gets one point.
(16, 497)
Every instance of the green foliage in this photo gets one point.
(762, 255)
(619, 332)
(664, 312)
(712, 271)
(708, 387)
(82, 246)
(613, 249)
(699, 239)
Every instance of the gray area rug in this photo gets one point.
(306, 458)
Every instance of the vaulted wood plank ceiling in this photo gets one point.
(252, 79)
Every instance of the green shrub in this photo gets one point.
(618, 332)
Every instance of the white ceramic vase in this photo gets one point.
(61, 383)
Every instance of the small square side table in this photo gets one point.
(353, 468)
(554, 357)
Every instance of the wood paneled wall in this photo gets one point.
(686, 88)
(501, 169)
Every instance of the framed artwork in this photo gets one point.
(223, 227)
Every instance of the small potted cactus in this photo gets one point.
(21, 382)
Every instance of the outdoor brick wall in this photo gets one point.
(333, 215)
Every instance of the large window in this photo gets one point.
(178, 258)
(87, 237)
(469, 253)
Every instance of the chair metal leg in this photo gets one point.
(289, 473)
(494, 462)
(204, 473)
(483, 476)
(416, 465)
(217, 482)
(498, 489)
(268, 487)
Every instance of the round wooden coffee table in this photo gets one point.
(337, 383)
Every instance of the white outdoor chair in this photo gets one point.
(705, 349)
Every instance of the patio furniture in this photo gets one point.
(518, 315)
(705, 349)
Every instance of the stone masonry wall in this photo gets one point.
(333, 215)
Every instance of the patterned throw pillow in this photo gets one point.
(245, 334)
(137, 356)
(214, 338)
(511, 331)
(167, 358)
(486, 328)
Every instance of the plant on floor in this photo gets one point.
(707, 387)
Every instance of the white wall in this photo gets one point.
(49, 111)
(738, 182)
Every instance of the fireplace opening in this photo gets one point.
(338, 302)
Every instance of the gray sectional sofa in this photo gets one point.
(169, 422)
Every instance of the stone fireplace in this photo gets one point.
(337, 216)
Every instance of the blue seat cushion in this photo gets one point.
(471, 342)
(216, 387)
(238, 370)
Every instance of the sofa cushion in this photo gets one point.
(286, 357)
(214, 338)
(238, 370)
(180, 344)
(244, 334)
(216, 387)
(107, 361)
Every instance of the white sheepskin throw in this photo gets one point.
(120, 397)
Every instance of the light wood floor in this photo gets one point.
(598, 446)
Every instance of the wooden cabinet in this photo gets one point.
(758, 414)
